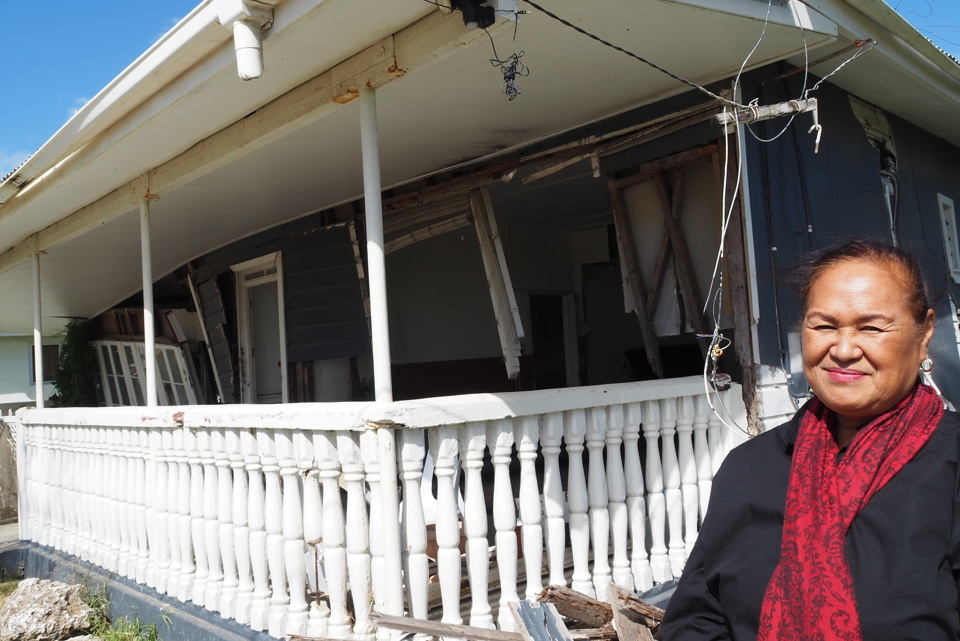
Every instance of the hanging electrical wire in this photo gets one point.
(511, 67)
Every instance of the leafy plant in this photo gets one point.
(75, 372)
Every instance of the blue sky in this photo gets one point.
(59, 54)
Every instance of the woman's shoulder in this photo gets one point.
(948, 431)
(766, 455)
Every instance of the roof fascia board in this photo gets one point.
(896, 39)
(191, 40)
(791, 13)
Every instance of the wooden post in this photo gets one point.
(634, 276)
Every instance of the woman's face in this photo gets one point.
(861, 345)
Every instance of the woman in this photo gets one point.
(843, 523)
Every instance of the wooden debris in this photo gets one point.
(630, 626)
(437, 629)
(588, 619)
(578, 606)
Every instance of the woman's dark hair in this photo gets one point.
(916, 293)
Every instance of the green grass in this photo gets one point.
(127, 628)
(6, 589)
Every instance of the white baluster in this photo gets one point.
(92, 491)
(66, 484)
(617, 490)
(96, 518)
(371, 465)
(293, 545)
(358, 543)
(141, 455)
(475, 526)
(444, 446)
(313, 534)
(42, 493)
(56, 489)
(198, 523)
(656, 503)
(688, 472)
(575, 430)
(185, 518)
(597, 491)
(109, 548)
(415, 529)
(334, 534)
(210, 442)
(273, 511)
(121, 501)
(671, 482)
(229, 460)
(241, 445)
(701, 452)
(636, 504)
(252, 549)
(551, 434)
(168, 559)
(528, 435)
(715, 437)
(504, 519)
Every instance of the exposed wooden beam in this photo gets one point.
(498, 280)
(634, 277)
(737, 280)
(686, 274)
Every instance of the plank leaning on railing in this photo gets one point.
(238, 508)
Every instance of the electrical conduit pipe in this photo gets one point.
(247, 19)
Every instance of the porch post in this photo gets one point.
(380, 334)
(149, 340)
(373, 204)
(37, 331)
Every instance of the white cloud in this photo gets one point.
(78, 104)
(10, 160)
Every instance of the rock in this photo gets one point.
(44, 611)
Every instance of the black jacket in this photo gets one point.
(903, 548)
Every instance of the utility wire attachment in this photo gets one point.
(817, 127)
(755, 113)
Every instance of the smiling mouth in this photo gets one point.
(845, 375)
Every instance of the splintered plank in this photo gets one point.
(577, 606)
(630, 625)
(437, 629)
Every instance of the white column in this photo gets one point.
(380, 333)
(149, 340)
(37, 331)
(377, 276)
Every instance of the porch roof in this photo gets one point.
(230, 158)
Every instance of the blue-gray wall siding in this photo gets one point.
(323, 294)
(801, 201)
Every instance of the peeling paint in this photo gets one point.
(349, 96)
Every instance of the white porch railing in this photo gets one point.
(224, 505)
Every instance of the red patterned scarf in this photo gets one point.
(810, 595)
